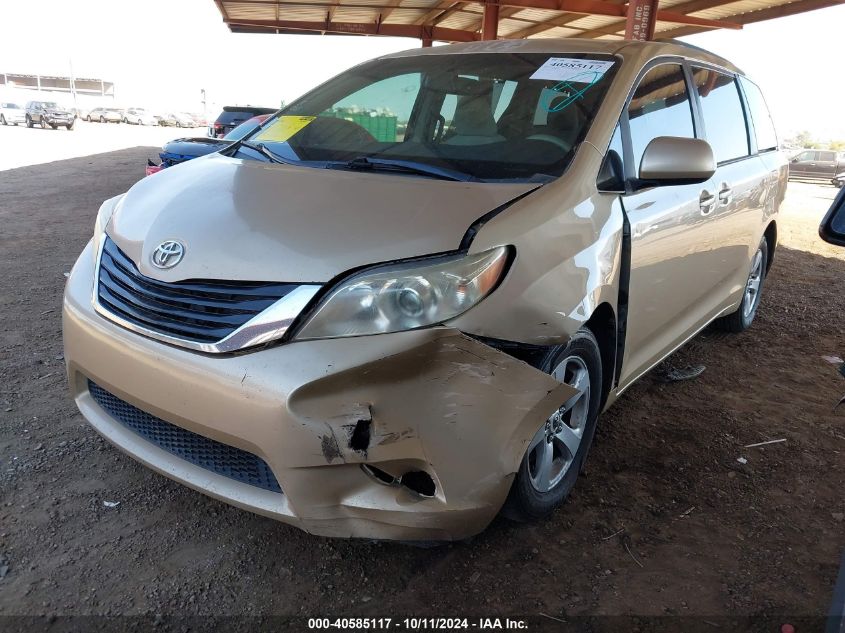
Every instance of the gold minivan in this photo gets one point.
(398, 307)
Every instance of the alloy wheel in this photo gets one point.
(553, 448)
(752, 286)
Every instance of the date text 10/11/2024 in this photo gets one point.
(417, 624)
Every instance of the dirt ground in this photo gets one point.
(666, 520)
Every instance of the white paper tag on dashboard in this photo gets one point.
(586, 71)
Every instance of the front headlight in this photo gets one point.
(406, 296)
(104, 215)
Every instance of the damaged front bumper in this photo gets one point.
(413, 436)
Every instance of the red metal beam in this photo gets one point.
(490, 25)
(642, 15)
(420, 32)
(782, 11)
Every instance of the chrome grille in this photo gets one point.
(201, 311)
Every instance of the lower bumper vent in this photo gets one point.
(217, 457)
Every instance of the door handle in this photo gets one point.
(725, 194)
(706, 201)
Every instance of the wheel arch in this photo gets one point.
(771, 235)
(602, 323)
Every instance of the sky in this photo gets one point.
(161, 53)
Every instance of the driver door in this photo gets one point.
(671, 275)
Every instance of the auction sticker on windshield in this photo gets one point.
(569, 69)
(283, 128)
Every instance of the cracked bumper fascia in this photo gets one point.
(434, 400)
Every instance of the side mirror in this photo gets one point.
(832, 228)
(671, 160)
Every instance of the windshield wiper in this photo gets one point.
(262, 149)
(403, 166)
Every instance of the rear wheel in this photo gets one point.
(88, 118)
(741, 319)
(102, 119)
(556, 453)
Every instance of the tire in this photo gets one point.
(528, 500)
(43, 123)
(88, 118)
(69, 127)
(54, 126)
(102, 119)
(741, 319)
(3, 120)
(29, 123)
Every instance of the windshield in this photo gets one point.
(245, 128)
(49, 104)
(489, 116)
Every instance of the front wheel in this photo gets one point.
(556, 453)
(742, 318)
(102, 119)
(3, 120)
(28, 121)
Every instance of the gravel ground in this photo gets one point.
(666, 521)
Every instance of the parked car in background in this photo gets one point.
(139, 116)
(182, 149)
(11, 113)
(46, 113)
(232, 116)
(166, 120)
(178, 119)
(199, 119)
(105, 115)
(422, 328)
(818, 164)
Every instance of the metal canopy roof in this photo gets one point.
(464, 20)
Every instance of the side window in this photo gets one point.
(660, 107)
(827, 156)
(806, 157)
(724, 118)
(764, 128)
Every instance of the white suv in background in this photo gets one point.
(11, 114)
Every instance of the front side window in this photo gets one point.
(806, 157)
(660, 106)
(764, 128)
(482, 116)
(724, 118)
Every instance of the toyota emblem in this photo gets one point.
(168, 254)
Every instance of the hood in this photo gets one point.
(253, 221)
(199, 146)
(57, 111)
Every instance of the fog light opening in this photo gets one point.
(360, 438)
(379, 475)
(420, 482)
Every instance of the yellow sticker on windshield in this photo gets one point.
(283, 128)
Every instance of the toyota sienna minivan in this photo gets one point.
(398, 307)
